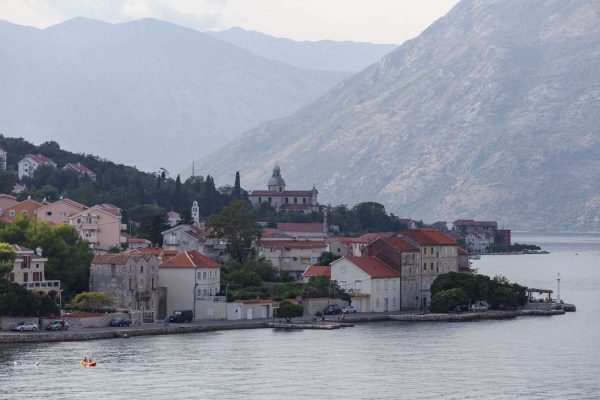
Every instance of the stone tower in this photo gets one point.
(196, 213)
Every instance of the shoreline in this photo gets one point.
(66, 336)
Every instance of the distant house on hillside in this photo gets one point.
(6, 201)
(101, 226)
(31, 162)
(3, 155)
(281, 199)
(81, 170)
(29, 271)
(59, 211)
(173, 217)
(28, 208)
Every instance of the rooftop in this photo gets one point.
(372, 266)
(189, 259)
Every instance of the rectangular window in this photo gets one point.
(12, 213)
(141, 269)
(378, 284)
(199, 275)
(37, 266)
(358, 284)
(304, 200)
(204, 275)
(377, 302)
(385, 284)
(25, 277)
(343, 285)
(269, 200)
(48, 213)
(343, 269)
(295, 200)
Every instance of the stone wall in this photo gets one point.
(96, 321)
(311, 306)
(7, 323)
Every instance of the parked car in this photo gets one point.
(462, 307)
(333, 309)
(120, 321)
(181, 316)
(25, 326)
(478, 307)
(349, 310)
(57, 325)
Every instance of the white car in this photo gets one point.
(349, 310)
(25, 326)
(477, 307)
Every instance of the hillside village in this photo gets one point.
(192, 267)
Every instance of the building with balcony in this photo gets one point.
(29, 271)
(100, 226)
(192, 237)
(131, 279)
(373, 285)
(293, 256)
(188, 277)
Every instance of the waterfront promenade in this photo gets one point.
(80, 334)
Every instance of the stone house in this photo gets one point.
(131, 279)
(187, 277)
(404, 258)
(59, 211)
(29, 271)
(439, 255)
(373, 285)
(28, 164)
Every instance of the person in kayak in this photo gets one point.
(84, 359)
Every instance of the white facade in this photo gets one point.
(368, 293)
(478, 242)
(31, 162)
(185, 286)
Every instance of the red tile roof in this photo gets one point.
(293, 243)
(429, 237)
(373, 267)
(267, 233)
(399, 243)
(79, 168)
(371, 237)
(189, 259)
(300, 227)
(40, 158)
(317, 270)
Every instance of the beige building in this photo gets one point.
(293, 256)
(29, 271)
(373, 285)
(129, 278)
(187, 277)
(100, 226)
(439, 255)
(59, 211)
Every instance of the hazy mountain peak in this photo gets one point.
(491, 112)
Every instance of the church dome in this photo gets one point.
(276, 179)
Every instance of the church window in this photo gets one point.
(280, 189)
(295, 200)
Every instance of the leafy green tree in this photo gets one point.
(151, 227)
(7, 181)
(447, 300)
(236, 224)
(92, 301)
(48, 192)
(327, 257)
(7, 258)
(289, 310)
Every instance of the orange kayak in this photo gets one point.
(87, 363)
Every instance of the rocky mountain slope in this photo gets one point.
(147, 92)
(322, 55)
(492, 112)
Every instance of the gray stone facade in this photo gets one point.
(131, 279)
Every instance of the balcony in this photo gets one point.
(44, 286)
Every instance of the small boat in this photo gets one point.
(87, 363)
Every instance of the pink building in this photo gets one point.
(101, 226)
(59, 211)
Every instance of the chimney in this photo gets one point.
(38, 251)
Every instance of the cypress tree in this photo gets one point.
(237, 190)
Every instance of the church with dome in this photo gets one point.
(281, 199)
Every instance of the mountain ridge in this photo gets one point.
(488, 113)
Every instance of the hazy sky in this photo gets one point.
(379, 21)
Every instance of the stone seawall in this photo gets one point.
(125, 333)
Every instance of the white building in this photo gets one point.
(478, 242)
(292, 256)
(191, 237)
(373, 285)
(3, 155)
(31, 162)
(188, 277)
(29, 271)
(279, 198)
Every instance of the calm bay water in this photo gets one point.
(528, 358)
